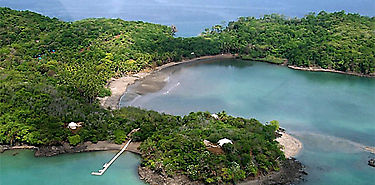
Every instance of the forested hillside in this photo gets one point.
(339, 41)
(83, 55)
(52, 71)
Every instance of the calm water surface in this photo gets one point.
(190, 16)
(332, 114)
(25, 169)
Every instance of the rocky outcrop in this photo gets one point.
(291, 172)
(7, 147)
(371, 162)
(47, 151)
(156, 177)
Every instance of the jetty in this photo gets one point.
(107, 165)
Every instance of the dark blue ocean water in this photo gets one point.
(190, 16)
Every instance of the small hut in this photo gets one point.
(215, 116)
(74, 127)
(223, 141)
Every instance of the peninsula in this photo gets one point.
(53, 73)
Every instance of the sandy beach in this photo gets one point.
(318, 69)
(118, 86)
(370, 149)
(291, 145)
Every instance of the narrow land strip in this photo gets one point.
(318, 69)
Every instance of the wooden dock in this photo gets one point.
(107, 165)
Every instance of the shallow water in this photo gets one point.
(191, 17)
(338, 107)
(332, 114)
(74, 169)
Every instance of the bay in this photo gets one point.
(332, 114)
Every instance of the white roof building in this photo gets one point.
(223, 141)
(73, 125)
(215, 116)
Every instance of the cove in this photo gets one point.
(23, 168)
(332, 114)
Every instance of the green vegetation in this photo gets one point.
(74, 140)
(268, 58)
(340, 41)
(51, 73)
(81, 56)
(180, 149)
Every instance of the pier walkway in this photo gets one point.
(106, 165)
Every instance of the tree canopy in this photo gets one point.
(51, 73)
(339, 41)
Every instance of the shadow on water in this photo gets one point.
(237, 63)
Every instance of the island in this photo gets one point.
(54, 73)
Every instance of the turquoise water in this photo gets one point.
(332, 114)
(73, 169)
(191, 17)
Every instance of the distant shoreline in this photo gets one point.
(118, 86)
(318, 69)
(312, 69)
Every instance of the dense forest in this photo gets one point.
(51, 73)
(339, 41)
(179, 148)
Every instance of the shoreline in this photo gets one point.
(291, 145)
(291, 170)
(118, 86)
(312, 69)
(65, 148)
(318, 69)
